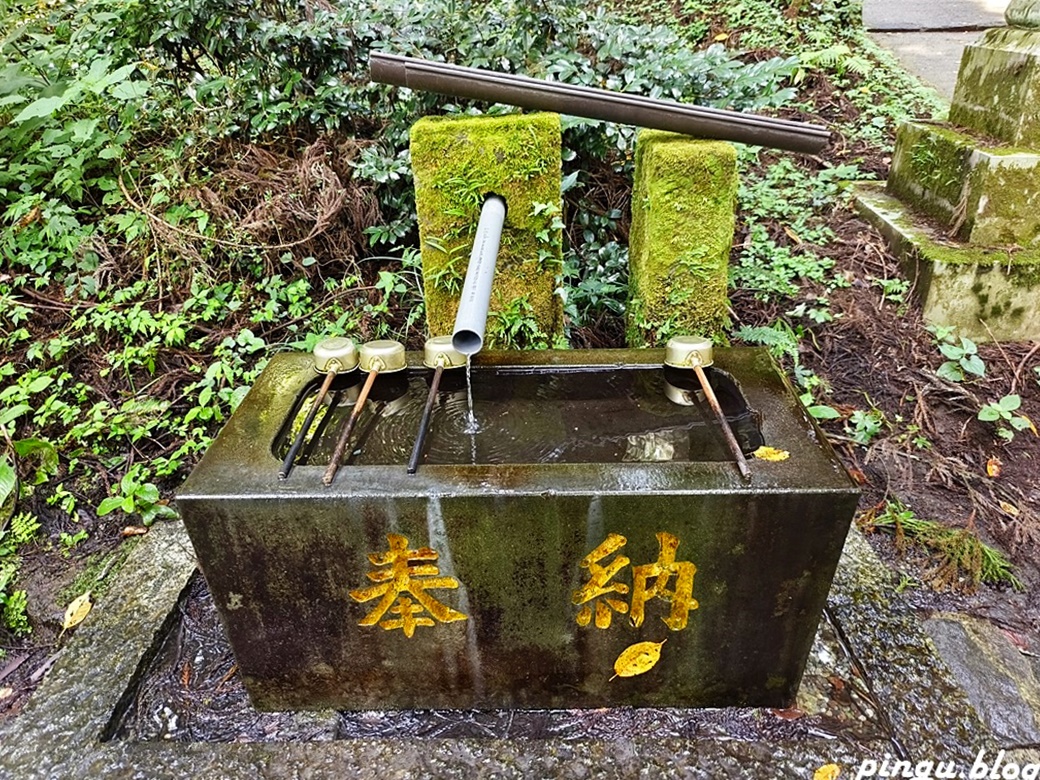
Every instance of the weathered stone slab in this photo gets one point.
(987, 293)
(997, 679)
(683, 204)
(998, 87)
(989, 196)
(520, 584)
(934, 719)
(457, 163)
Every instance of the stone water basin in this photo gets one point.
(592, 509)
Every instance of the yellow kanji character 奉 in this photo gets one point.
(410, 574)
(598, 588)
(660, 572)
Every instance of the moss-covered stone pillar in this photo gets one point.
(683, 204)
(456, 163)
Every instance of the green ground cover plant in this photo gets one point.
(962, 560)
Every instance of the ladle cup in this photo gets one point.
(383, 356)
(331, 356)
(696, 353)
(438, 354)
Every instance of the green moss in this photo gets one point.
(683, 204)
(998, 77)
(961, 284)
(457, 162)
(1004, 203)
(98, 574)
(930, 166)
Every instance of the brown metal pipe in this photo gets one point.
(620, 107)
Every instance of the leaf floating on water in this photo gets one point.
(638, 659)
(791, 713)
(771, 454)
(827, 772)
(76, 612)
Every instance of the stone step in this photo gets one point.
(1000, 681)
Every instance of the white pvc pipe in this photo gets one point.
(468, 336)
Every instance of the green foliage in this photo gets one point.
(963, 561)
(20, 531)
(137, 497)
(893, 290)
(1002, 412)
(515, 327)
(69, 542)
(961, 354)
(780, 338)
(774, 265)
(864, 426)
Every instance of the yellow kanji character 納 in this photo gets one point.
(598, 589)
(660, 572)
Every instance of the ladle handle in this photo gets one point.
(344, 437)
(731, 440)
(424, 423)
(294, 450)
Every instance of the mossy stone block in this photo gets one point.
(456, 164)
(989, 294)
(987, 196)
(998, 86)
(683, 216)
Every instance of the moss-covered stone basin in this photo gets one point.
(522, 584)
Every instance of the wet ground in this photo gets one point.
(192, 693)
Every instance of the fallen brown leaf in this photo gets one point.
(993, 466)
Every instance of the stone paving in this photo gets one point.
(928, 37)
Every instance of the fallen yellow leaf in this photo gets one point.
(827, 772)
(6, 693)
(76, 611)
(721, 37)
(771, 453)
(993, 467)
(1011, 509)
(638, 659)
(1031, 426)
